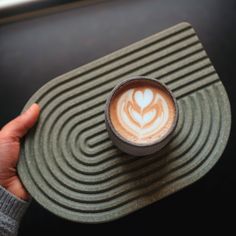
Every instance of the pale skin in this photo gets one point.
(10, 136)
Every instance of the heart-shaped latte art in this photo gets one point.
(143, 99)
(142, 112)
(144, 119)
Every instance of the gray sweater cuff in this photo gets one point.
(12, 206)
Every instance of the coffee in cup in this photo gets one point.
(141, 114)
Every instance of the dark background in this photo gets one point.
(36, 50)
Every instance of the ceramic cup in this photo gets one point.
(141, 115)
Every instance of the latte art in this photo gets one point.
(142, 113)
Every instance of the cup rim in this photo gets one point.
(111, 126)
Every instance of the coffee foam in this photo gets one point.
(142, 112)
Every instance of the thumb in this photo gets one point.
(18, 127)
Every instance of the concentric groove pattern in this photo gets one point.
(69, 164)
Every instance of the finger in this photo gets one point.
(18, 127)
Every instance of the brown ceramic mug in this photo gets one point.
(141, 115)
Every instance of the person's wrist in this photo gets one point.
(11, 205)
(9, 185)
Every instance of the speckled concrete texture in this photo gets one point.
(68, 163)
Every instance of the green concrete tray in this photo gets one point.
(69, 165)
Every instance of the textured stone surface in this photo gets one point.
(70, 166)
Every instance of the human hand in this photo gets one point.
(10, 136)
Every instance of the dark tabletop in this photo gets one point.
(36, 50)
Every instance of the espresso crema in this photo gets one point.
(142, 112)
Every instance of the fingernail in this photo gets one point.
(30, 108)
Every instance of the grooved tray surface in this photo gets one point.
(70, 166)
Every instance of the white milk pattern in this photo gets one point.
(140, 122)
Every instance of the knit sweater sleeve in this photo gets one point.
(11, 212)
